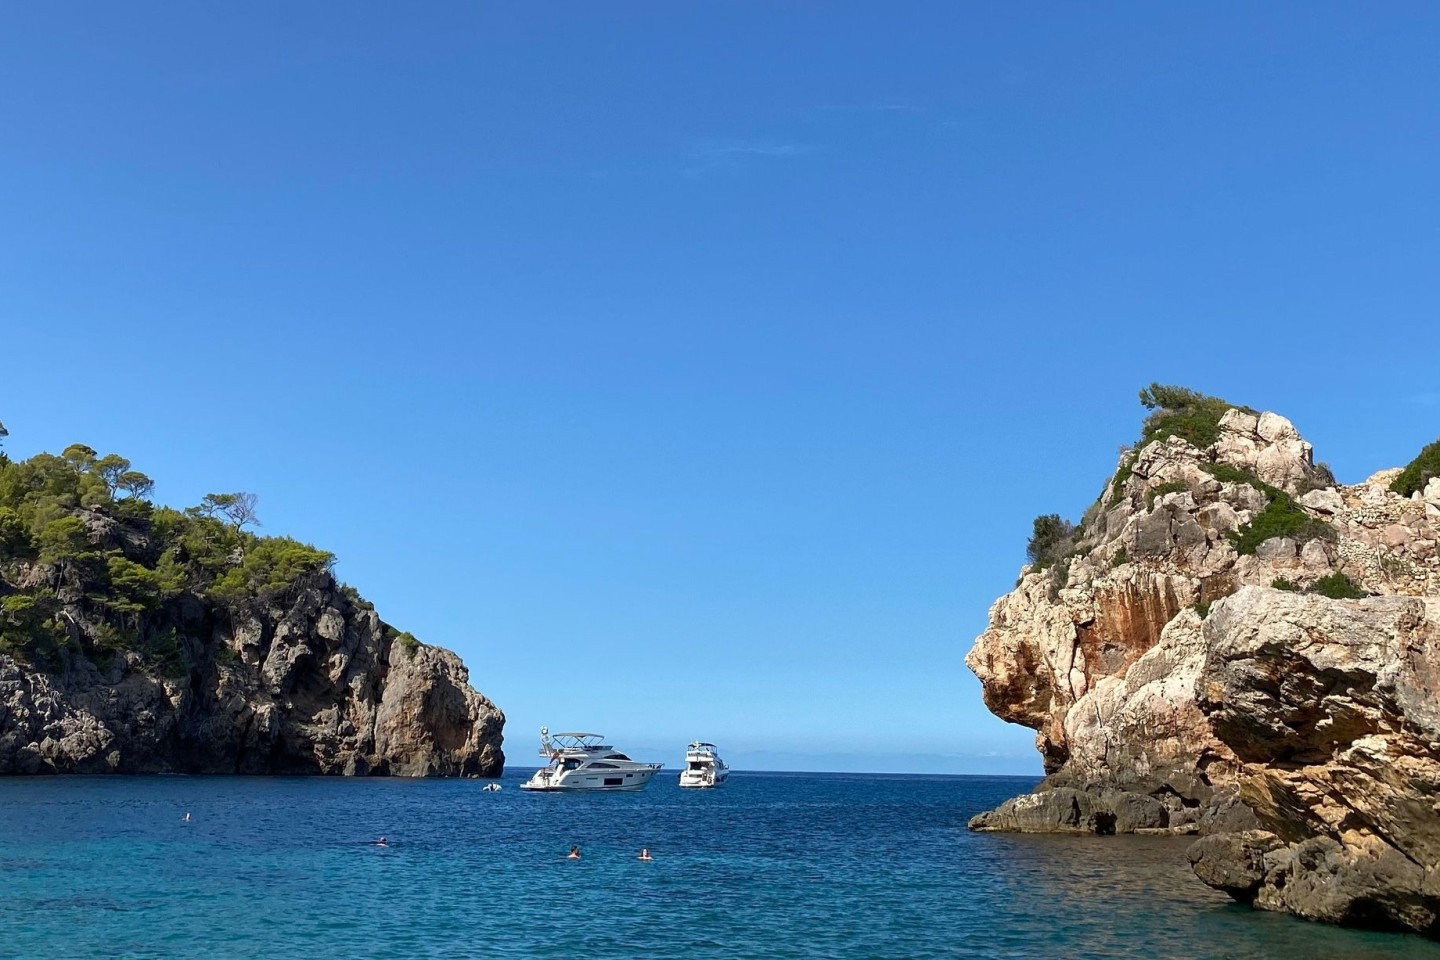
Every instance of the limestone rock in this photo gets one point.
(314, 684)
(1323, 501)
(1066, 810)
(1268, 445)
(1234, 862)
(1300, 735)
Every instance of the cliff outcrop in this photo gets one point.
(313, 684)
(1233, 645)
(139, 639)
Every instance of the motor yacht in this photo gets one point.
(703, 766)
(582, 761)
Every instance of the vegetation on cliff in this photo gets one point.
(1282, 516)
(1420, 471)
(89, 566)
(1194, 417)
(1182, 412)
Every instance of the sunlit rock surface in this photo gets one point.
(1176, 685)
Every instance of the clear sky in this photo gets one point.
(695, 370)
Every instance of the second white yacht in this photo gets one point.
(581, 761)
(703, 766)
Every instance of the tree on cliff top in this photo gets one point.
(1182, 412)
(124, 575)
(238, 508)
(1050, 538)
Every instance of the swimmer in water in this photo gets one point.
(382, 842)
(574, 853)
(645, 854)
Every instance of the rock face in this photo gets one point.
(1177, 684)
(1333, 707)
(311, 683)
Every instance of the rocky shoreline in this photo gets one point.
(1277, 696)
(309, 681)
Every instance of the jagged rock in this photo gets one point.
(1066, 810)
(1267, 445)
(1334, 706)
(1314, 721)
(1276, 549)
(1320, 879)
(313, 684)
(1327, 500)
(1234, 862)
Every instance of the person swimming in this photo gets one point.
(382, 842)
(574, 853)
(645, 854)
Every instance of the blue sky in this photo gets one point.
(696, 370)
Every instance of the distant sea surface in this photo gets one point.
(771, 865)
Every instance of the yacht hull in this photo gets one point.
(585, 781)
(702, 782)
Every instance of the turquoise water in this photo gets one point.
(772, 865)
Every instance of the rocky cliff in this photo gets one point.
(1232, 644)
(313, 683)
(140, 639)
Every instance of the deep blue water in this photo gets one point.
(772, 865)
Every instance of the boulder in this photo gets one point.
(1234, 862)
(1067, 810)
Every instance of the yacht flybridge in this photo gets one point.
(703, 766)
(581, 761)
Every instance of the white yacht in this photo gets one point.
(703, 766)
(581, 761)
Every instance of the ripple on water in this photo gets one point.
(771, 865)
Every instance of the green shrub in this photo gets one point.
(1227, 473)
(1123, 473)
(63, 539)
(1281, 583)
(1203, 608)
(1155, 493)
(14, 538)
(1051, 538)
(1282, 517)
(1184, 413)
(408, 643)
(270, 568)
(1419, 471)
(133, 587)
(1337, 586)
(1120, 559)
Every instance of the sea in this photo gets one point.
(770, 865)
